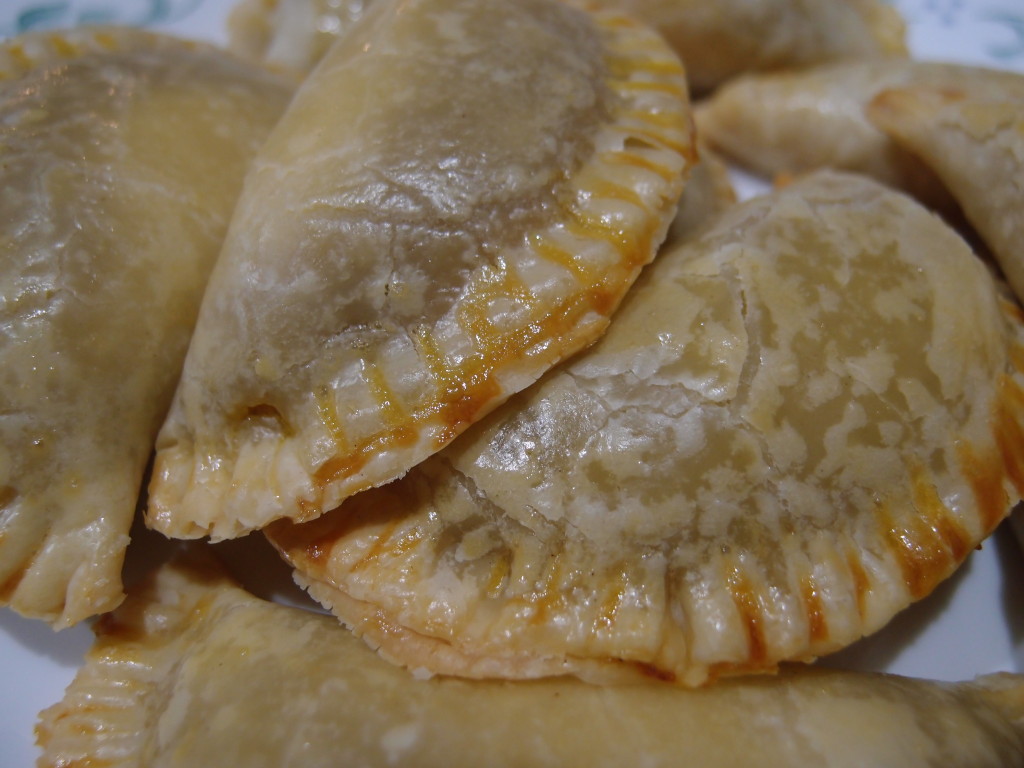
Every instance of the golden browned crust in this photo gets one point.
(798, 423)
(478, 217)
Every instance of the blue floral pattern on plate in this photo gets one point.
(26, 16)
(984, 31)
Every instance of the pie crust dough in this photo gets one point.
(970, 132)
(456, 199)
(192, 671)
(123, 155)
(800, 421)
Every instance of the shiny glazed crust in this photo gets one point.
(193, 671)
(799, 422)
(123, 154)
(461, 214)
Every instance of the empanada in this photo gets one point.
(717, 40)
(456, 199)
(799, 422)
(971, 134)
(794, 122)
(192, 671)
(122, 155)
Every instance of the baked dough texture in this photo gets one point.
(718, 40)
(794, 122)
(800, 421)
(123, 155)
(722, 39)
(456, 199)
(970, 132)
(192, 671)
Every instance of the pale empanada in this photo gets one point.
(123, 153)
(194, 672)
(456, 199)
(717, 40)
(798, 423)
(794, 122)
(971, 133)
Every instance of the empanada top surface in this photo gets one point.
(193, 671)
(798, 422)
(970, 132)
(456, 199)
(122, 156)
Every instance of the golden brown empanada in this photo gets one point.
(799, 422)
(794, 122)
(123, 153)
(971, 133)
(192, 671)
(717, 40)
(456, 199)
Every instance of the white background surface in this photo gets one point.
(972, 624)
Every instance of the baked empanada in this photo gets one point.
(193, 671)
(971, 133)
(456, 199)
(122, 155)
(794, 122)
(717, 40)
(799, 422)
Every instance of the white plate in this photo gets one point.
(972, 624)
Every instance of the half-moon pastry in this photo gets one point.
(192, 671)
(456, 199)
(720, 40)
(794, 122)
(123, 154)
(800, 421)
(717, 40)
(971, 134)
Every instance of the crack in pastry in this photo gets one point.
(442, 215)
(800, 421)
(182, 674)
(123, 154)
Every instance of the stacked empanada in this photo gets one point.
(455, 200)
(764, 458)
(410, 369)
